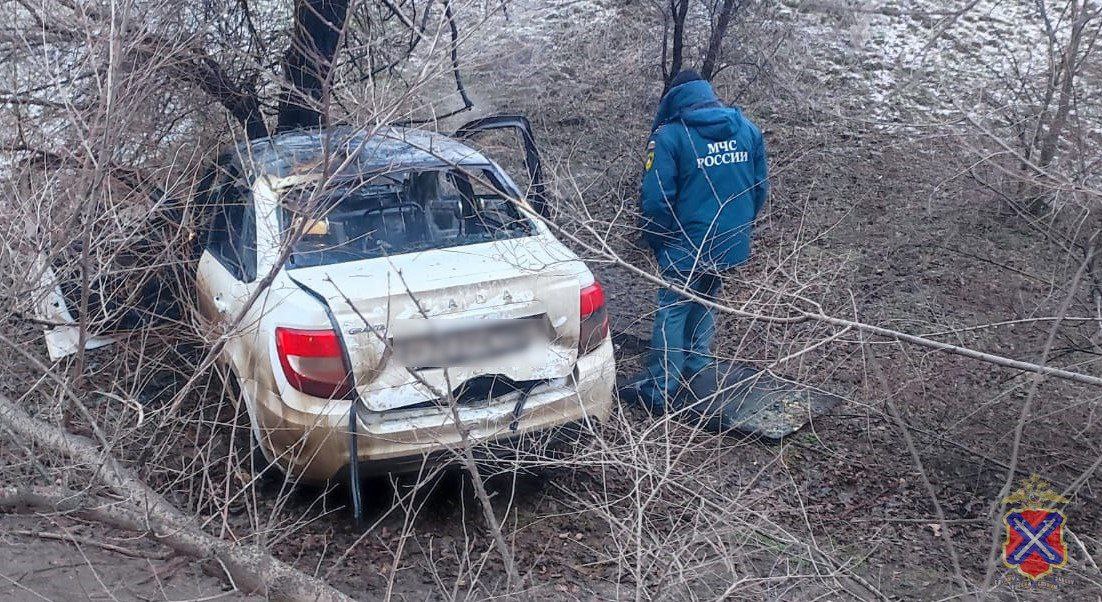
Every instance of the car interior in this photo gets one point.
(397, 213)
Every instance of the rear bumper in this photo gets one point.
(314, 447)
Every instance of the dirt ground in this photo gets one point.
(917, 259)
(876, 225)
(36, 565)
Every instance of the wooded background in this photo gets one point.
(930, 252)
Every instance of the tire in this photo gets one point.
(256, 463)
(265, 471)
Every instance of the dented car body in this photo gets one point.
(409, 287)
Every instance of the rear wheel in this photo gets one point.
(255, 462)
(263, 470)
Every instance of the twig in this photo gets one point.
(92, 542)
(1023, 417)
(916, 458)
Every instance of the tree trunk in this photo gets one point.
(251, 569)
(308, 63)
(1051, 141)
(679, 10)
(1065, 73)
(715, 41)
(143, 509)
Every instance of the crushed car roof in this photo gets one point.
(353, 150)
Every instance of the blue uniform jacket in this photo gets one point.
(705, 183)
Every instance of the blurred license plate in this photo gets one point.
(455, 343)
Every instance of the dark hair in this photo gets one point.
(684, 77)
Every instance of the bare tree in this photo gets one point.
(676, 29)
(673, 38)
(112, 116)
(308, 62)
(720, 22)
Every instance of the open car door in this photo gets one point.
(135, 274)
(125, 295)
(508, 140)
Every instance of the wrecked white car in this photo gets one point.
(377, 287)
(410, 280)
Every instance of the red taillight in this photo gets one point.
(313, 363)
(594, 318)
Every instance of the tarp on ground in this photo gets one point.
(729, 397)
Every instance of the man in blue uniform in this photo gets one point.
(705, 183)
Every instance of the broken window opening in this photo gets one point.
(397, 213)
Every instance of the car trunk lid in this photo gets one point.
(381, 302)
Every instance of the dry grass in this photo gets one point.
(874, 226)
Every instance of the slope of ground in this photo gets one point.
(868, 218)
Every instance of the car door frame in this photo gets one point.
(537, 193)
(222, 286)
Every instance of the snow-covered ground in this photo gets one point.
(886, 61)
(913, 61)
